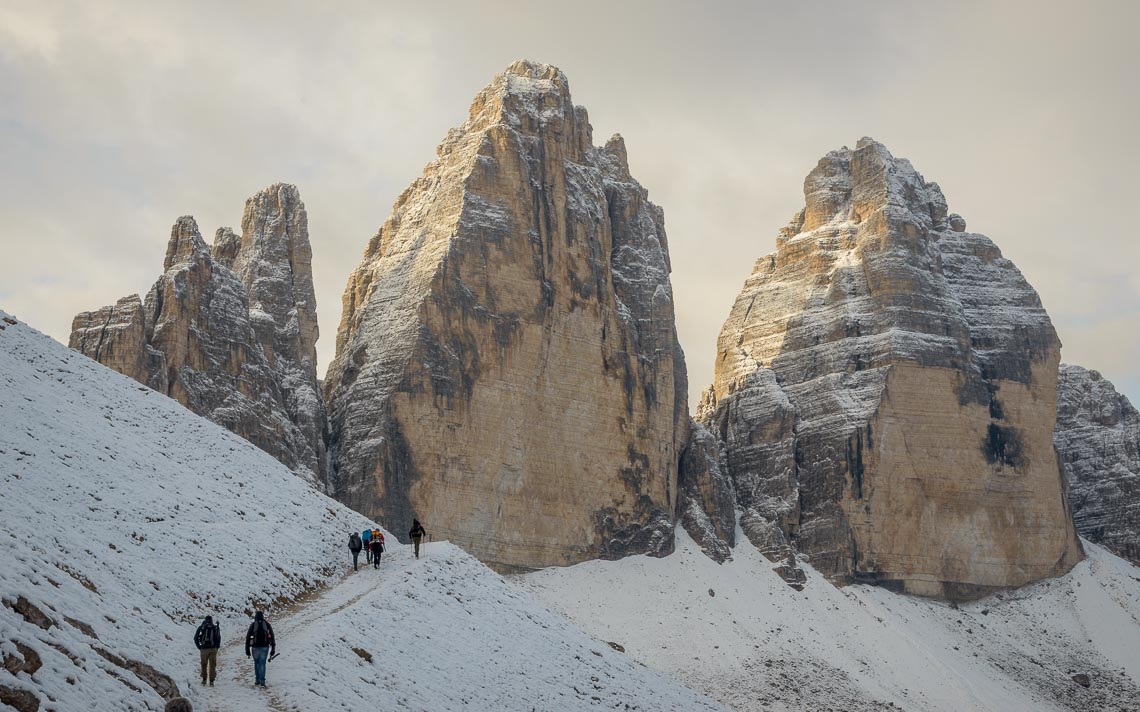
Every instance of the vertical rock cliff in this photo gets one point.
(707, 504)
(1098, 440)
(886, 391)
(274, 262)
(507, 368)
(237, 348)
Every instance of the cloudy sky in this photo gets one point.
(117, 117)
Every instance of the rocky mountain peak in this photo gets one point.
(185, 244)
(510, 333)
(533, 99)
(275, 263)
(870, 184)
(229, 333)
(885, 375)
(226, 247)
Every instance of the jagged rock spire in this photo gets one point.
(235, 348)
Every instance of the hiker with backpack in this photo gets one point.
(377, 544)
(355, 545)
(417, 535)
(208, 638)
(260, 641)
(365, 537)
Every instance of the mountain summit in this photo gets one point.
(507, 366)
(886, 388)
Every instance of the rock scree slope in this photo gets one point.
(885, 387)
(507, 366)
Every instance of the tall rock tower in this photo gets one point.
(235, 347)
(507, 368)
(886, 391)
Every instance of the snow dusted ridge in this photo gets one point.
(738, 633)
(126, 518)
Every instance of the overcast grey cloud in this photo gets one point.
(116, 118)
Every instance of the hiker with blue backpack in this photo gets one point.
(365, 537)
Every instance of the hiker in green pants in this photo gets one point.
(417, 534)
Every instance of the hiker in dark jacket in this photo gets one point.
(417, 534)
(355, 545)
(377, 545)
(259, 639)
(208, 638)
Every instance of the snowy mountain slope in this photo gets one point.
(441, 633)
(126, 518)
(738, 633)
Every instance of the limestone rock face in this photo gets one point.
(274, 261)
(886, 391)
(237, 348)
(1098, 440)
(507, 368)
(707, 506)
(116, 337)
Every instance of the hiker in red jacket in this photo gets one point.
(377, 546)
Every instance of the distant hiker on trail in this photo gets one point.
(377, 544)
(365, 537)
(208, 638)
(355, 545)
(417, 534)
(259, 639)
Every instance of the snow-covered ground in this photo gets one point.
(125, 518)
(738, 633)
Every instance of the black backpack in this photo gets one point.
(354, 542)
(209, 636)
(261, 635)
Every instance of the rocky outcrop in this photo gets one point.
(707, 505)
(116, 337)
(235, 347)
(1098, 441)
(507, 368)
(886, 390)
